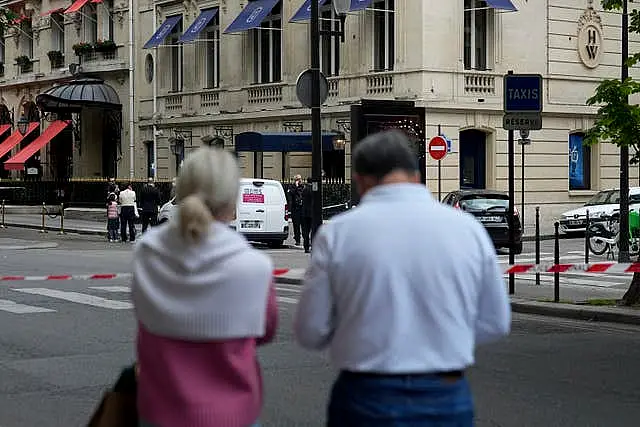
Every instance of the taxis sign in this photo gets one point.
(522, 102)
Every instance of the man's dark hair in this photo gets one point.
(382, 153)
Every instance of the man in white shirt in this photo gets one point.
(400, 290)
(128, 211)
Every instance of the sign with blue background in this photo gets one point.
(522, 93)
(576, 162)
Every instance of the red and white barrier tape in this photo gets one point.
(112, 276)
(595, 268)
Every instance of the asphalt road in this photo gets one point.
(63, 343)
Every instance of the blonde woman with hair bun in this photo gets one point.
(204, 301)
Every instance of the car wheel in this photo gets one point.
(276, 244)
(162, 221)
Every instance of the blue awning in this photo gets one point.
(162, 32)
(502, 5)
(360, 5)
(252, 16)
(198, 25)
(288, 142)
(304, 13)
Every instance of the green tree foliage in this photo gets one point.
(618, 121)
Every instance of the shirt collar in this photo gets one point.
(403, 191)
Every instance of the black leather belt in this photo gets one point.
(444, 374)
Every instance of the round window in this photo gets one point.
(148, 67)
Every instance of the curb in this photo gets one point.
(570, 312)
(543, 309)
(56, 229)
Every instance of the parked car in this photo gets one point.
(262, 212)
(604, 203)
(491, 208)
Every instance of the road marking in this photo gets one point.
(78, 298)
(563, 258)
(289, 288)
(15, 308)
(112, 289)
(590, 282)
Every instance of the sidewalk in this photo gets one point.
(532, 299)
(94, 227)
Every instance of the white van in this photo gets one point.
(262, 212)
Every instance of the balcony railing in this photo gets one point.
(479, 83)
(265, 94)
(380, 84)
(100, 56)
(334, 87)
(173, 102)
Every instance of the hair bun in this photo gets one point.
(194, 218)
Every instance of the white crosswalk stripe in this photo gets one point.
(290, 297)
(15, 308)
(78, 297)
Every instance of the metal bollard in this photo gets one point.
(44, 212)
(586, 241)
(2, 223)
(556, 260)
(538, 243)
(61, 219)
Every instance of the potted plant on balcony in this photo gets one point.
(56, 58)
(82, 48)
(107, 47)
(25, 63)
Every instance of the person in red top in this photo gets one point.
(204, 300)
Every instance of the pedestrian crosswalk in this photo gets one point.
(48, 299)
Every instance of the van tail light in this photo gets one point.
(457, 205)
(286, 212)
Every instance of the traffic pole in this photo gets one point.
(316, 119)
(3, 207)
(512, 190)
(61, 219)
(556, 260)
(44, 212)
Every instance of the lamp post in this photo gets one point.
(623, 254)
(316, 124)
(22, 125)
(177, 149)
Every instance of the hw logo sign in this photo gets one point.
(590, 38)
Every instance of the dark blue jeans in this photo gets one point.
(400, 401)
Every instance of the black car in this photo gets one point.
(491, 208)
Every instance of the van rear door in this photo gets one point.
(252, 209)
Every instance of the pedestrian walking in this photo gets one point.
(400, 290)
(128, 213)
(307, 215)
(295, 201)
(204, 301)
(149, 203)
(113, 222)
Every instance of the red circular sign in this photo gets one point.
(438, 148)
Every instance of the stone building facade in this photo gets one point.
(210, 70)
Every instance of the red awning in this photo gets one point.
(4, 128)
(17, 161)
(19, 19)
(76, 6)
(15, 138)
(51, 12)
(97, 1)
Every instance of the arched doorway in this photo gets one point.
(473, 159)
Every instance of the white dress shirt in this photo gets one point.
(402, 284)
(127, 198)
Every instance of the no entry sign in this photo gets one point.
(438, 148)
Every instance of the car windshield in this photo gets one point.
(484, 202)
(610, 197)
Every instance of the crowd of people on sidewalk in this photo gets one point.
(400, 322)
(123, 209)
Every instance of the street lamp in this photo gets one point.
(339, 141)
(177, 149)
(23, 125)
